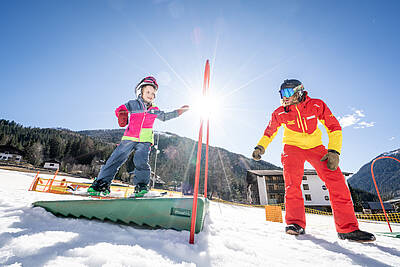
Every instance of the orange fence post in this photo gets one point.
(51, 183)
(34, 183)
(48, 181)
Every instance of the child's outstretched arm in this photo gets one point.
(164, 116)
(183, 109)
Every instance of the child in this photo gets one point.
(299, 115)
(138, 136)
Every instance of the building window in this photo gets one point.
(308, 197)
(324, 187)
(304, 177)
(306, 187)
(272, 196)
(270, 188)
(326, 198)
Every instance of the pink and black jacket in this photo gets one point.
(141, 120)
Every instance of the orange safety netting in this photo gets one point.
(50, 185)
(393, 217)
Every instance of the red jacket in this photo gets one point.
(300, 123)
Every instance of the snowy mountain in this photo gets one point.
(232, 236)
(387, 175)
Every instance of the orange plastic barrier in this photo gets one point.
(273, 213)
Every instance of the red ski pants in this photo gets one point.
(293, 159)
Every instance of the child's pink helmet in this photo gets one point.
(150, 80)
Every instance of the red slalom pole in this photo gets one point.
(196, 185)
(197, 176)
(376, 187)
(206, 89)
(206, 167)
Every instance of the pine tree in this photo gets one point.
(34, 154)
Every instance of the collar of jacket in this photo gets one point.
(143, 104)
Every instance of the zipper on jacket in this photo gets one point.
(302, 127)
(144, 116)
(305, 123)
(141, 126)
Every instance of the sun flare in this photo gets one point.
(206, 107)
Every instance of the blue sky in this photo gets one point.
(71, 63)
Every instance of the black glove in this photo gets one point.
(258, 151)
(333, 159)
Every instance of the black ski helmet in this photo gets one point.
(290, 83)
(296, 85)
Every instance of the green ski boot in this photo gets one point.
(140, 190)
(93, 192)
(99, 188)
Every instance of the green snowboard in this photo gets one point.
(169, 213)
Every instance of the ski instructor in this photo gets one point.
(299, 115)
(139, 115)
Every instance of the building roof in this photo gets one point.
(52, 161)
(394, 200)
(266, 172)
(280, 172)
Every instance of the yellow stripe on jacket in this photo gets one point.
(308, 112)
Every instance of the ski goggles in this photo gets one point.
(288, 92)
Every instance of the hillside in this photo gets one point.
(84, 152)
(387, 175)
(77, 153)
(176, 163)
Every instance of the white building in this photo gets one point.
(314, 190)
(10, 153)
(267, 187)
(52, 164)
(9, 156)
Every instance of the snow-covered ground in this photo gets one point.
(233, 236)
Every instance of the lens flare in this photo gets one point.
(206, 106)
